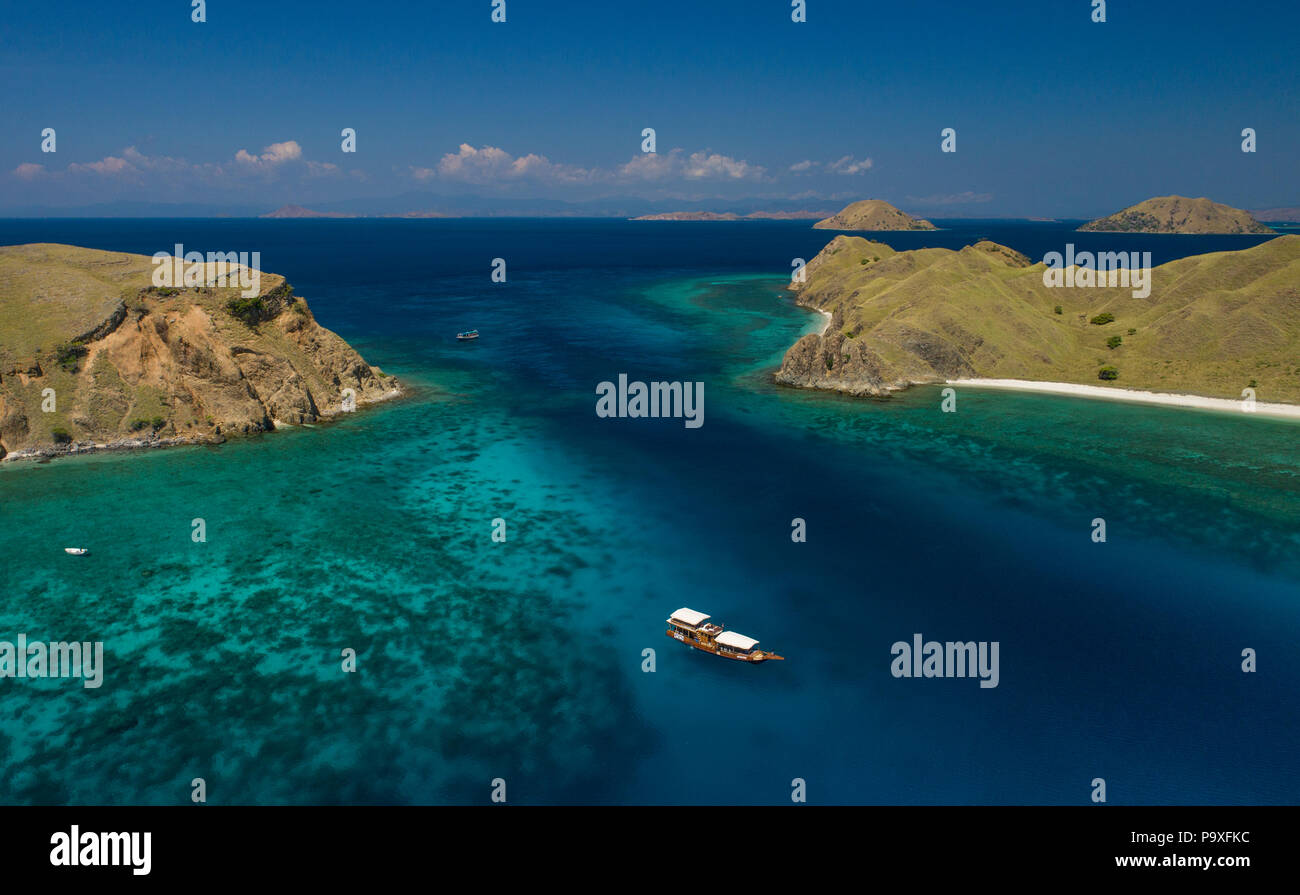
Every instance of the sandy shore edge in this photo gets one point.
(50, 452)
(1280, 411)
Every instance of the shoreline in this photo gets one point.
(81, 448)
(1168, 399)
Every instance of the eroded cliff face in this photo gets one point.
(833, 361)
(149, 367)
(863, 357)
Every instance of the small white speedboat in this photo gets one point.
(76, 551)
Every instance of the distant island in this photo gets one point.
(297, 211)
(731, 216)
(418, 214)
(1178, 214)
(1281, 215)
(94, 356)
(1212, 325)
(872, 214)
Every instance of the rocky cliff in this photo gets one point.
(92, 355)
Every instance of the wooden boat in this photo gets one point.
(695, 630)
(467, 336)
(76, 551)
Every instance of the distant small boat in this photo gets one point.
(76, 551)
(465, 337)
(695, 630)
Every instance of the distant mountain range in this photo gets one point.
(1289, 215)
(427, 204)
(870, 215)
(297, 211)
(732, 216)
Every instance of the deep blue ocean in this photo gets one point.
(524, 660)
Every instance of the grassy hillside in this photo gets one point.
(872, 214)
(1212, 325)
(1178, 214)
(130, 362)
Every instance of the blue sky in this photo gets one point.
(1055, 115)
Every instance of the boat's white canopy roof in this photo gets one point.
(690, 617)
(737, 641)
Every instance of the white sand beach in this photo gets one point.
(1285, 411)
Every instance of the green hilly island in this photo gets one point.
(1178, 214)
(872, 214)
(1212, 325)
(93, 354)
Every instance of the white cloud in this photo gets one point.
(110, 164)
(135, 170)
(849, 165)
(132, 162)
(164, 163)
(271, 156)
(805, 165)
(697, 166)
(711, 165)
(492, 164)
(651, 166)
(474, 164)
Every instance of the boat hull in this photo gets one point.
(705, 646)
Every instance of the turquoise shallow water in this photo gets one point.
(523, 660)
